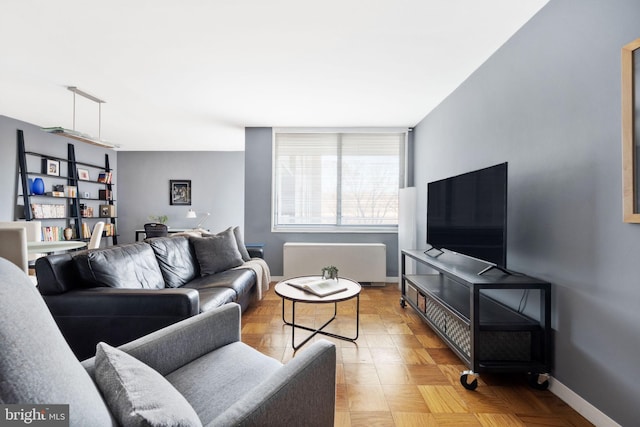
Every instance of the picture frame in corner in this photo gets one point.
(83, 174)
(180, 192)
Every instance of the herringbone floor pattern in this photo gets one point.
(399, 373)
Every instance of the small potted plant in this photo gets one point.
(330, 272)
(161, 219)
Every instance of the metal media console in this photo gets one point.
(491, 320)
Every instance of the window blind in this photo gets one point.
(324, 179)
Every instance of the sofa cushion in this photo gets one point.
(216, 253)
(125, 266)
(240, 280)
(198, 383)
(215, 297)
(137, 394)
(176, 259)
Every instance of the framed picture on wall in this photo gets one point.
(83, 174)
(180, 192)
(51, 167)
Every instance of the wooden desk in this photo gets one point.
(170, 231)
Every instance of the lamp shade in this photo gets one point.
(191, 214)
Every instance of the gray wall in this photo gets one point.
(54, 145)
(258, 210)
(548, 102)
(217, 185)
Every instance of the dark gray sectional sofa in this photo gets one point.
(123, 292)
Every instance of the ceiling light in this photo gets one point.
(72, 133)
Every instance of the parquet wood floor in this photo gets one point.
(399, 373)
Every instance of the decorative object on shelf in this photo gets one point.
(70, 190)
(87, 195)
(68, 233)
(192, 214)
(107, 211)
(180, 192)
(86, 211)
(330, 272)
(83, 174)
(103, 195)
(162, 219)
(38, 186)
(51, 167)
(30, 185)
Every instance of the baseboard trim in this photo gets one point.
(584, 408)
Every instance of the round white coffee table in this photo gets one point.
(295, 295)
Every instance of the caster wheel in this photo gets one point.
(538, 381)
(464, 377)
(403, 303)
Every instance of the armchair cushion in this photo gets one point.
(137, 395)
(217, 253)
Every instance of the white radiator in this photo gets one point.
(363, 262)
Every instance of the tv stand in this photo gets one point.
(474, 317)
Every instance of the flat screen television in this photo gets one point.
(467, 214)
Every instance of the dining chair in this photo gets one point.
(96, 235)
(34, 234)
(155, 230)
(13, 246)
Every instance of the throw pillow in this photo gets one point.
(217, 253)
(240, 242)
(138, 395)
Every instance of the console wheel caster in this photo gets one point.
(403, 303)
(464, 380)
(538, 381)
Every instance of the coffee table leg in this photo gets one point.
(320, 329)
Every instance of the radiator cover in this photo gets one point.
(362, 262)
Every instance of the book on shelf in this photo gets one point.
(86, 232)
(104, 177)
(109, 229)
(52, 233)
(318, 287)
(43, 211)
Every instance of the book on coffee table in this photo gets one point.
(319, 287)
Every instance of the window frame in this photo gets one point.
(336, 228)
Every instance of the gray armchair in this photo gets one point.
(225, 381)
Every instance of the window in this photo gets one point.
(337, 181)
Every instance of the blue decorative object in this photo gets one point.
(38, 186)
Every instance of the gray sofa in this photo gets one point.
(225, 382)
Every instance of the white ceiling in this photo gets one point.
(191, 74)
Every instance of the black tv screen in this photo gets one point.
(467, 214)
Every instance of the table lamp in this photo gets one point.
(192, 214)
